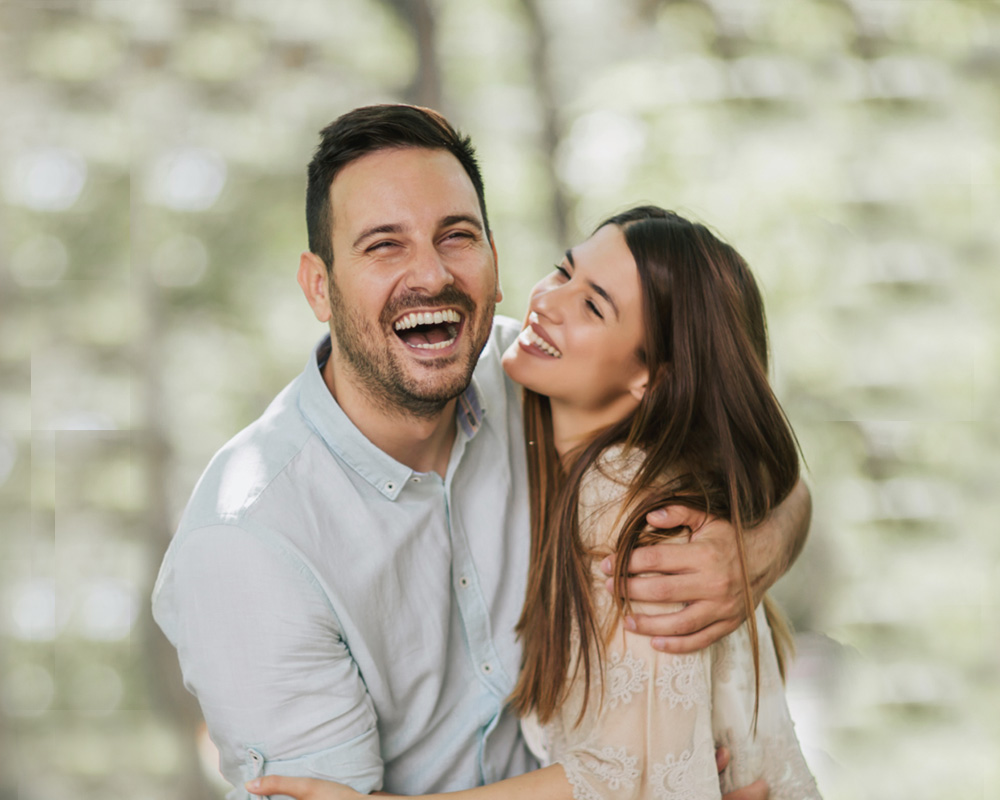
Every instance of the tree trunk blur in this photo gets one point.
(8, 789)
(425, 86)
(551, 126)
(166, 692)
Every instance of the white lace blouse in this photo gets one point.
(662, 716)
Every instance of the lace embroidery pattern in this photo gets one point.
(682, 682)
(677, 778)
(733, 660)
(613, 766)
(655, 732)
(625, 678)
(775, 757)
(616, 768)
(581, 789)
(723, 660)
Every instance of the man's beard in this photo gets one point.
(381, 375)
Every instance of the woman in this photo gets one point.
(644, 362)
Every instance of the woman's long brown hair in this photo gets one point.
(713, 435)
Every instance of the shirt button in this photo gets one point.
(416, 480)
(463, 582)
(487, 668)
(390, 486)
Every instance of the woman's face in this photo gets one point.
(580, 345)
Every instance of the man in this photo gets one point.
(344, 584)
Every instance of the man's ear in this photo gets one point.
(496, 268)
(315, 285)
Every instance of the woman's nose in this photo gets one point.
(547, 303)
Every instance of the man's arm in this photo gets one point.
(262, 651)
(548, 783)
(705, 572)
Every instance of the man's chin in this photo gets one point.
(430, 378)
(442, 385)
(429, 361)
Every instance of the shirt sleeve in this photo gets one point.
(260, 647)
(650, 736)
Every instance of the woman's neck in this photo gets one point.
(573, 426)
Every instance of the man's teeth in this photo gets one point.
(438, 346)
(427, 318)
(528, 336)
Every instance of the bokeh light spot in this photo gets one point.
(33, 610)
(48, 179)
(107, 612)
(187, 180)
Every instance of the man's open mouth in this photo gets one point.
(429, 330)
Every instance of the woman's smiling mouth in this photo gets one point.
(529, 338)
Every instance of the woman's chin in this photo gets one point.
(513, 364)
(509, 361)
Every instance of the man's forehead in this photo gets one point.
(400, 186)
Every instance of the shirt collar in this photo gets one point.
(470, 410)
(326, 417)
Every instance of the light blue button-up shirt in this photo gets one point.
(339, 615)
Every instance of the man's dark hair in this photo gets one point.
(366, 130)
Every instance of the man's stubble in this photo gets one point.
(377, 369)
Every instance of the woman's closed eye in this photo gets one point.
(592, 307)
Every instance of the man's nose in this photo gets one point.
(427, 273)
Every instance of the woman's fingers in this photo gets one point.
(758, 790)
(299, 788)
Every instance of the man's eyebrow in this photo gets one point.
(377, 229)
(600, 290)
(454, 218)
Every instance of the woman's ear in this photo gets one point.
(637, 386)
(643, 380)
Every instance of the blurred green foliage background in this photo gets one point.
(152, 157)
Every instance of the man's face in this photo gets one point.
(414, 279)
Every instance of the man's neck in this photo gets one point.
(421, 443)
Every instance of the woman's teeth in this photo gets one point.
(528, 337)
